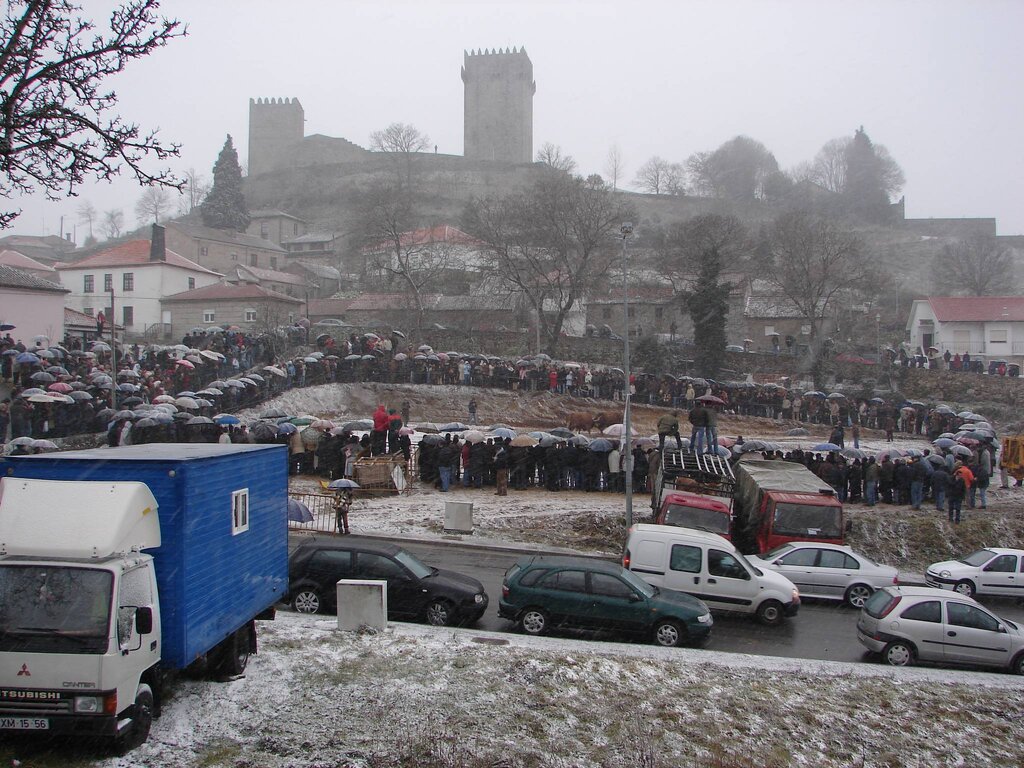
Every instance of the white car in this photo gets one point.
(829, 571)
(991, 571)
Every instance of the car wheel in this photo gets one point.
(142, 721)
(533, 621)
(669, 634)
(439, 613)
(857, 595)
(770, 612)
(965, 588)
(307, 601)
(1017, 667)
(898, 654)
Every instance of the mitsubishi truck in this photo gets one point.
(120, 567)
(694, 491)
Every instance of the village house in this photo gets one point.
(220, 250)
(246, 305)
(986, 327)
(323, 280)
(48, 249)
(140, 273)
(20, 261)
(32, 306)
(275, 226)
(274, 280)
(321, 247)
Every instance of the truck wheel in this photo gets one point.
(142, 720)
(234, 656)
(770, 612)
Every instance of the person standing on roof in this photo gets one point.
(668, 424)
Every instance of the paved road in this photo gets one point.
(822, 629)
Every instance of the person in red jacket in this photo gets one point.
(380, 431)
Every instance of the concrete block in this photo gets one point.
(458, 516)
(362, 603)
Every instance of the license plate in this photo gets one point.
(24, 723)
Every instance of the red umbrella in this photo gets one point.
(711, 399)
(60, 386)
(184, 363)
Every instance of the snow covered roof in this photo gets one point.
(224, 236)
(775, 307)
(427, 236)
(270, 275)
(21, 261)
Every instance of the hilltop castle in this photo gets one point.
(498, 92)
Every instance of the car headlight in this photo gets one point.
(796, 595)
(704, 618)
(944, 574)
(89, 705)
(478, 598)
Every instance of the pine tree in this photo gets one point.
(224, 207)
(708, 305)
(865, 190)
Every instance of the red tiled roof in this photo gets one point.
(442, 233)
(72, 317)
(134, 253)
(224, 291)
(977, 309)
(396, 301)
(21, 261)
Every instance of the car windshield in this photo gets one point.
(414, 564)
(54, 609)
(807, 521)
(638, 584)
(694, 517)
(780, 550)
(979, 558)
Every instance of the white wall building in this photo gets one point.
(986, 327)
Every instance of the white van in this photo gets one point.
(711, 569)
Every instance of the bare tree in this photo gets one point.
(828, 169)
(614, 166)
(55, 106)
(193, 193)
(659, 177)
(113, 223)
(399, 137)
(737, 170)
(552, 155)
(87, 214)
(152, 204)
(685, 243)
(977, 266)
(552, 243)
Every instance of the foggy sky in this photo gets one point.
(937, 82)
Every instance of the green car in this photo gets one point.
(539, 593)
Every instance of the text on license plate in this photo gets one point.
(24, 723)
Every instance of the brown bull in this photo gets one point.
(606, 419)
(578, 422)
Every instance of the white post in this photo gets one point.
(627, 441)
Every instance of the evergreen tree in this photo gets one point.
(870, 175)
(708, 305)
(224, 207)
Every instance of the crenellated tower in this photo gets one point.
(499, 89)
(276, 127)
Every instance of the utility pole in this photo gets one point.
(627, 439)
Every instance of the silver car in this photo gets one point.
(992, 571)
(829, 571)
(909, 624)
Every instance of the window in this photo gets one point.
(566, 581)
(128, 315)
(531, 577)
(250, 315)
(802, 557)
(335, 562)
(632, 311)
(929, 611)
(239, 511)
(254, 260)
(264, 232)
(769, 330)
(1003, 564)
(805, 329)
(191, 283)
(108, 283)
(128, 281)
(209, 315)
(609, 586)
(234, 257)
(273, 262)
(88, 311)
(371, 566)
(830, 558)
(88, 283)
(606, 313)
(659, 312)
(204, 251)
(997, 337)
(295, 227)
(725, 565)
(685, 558)
(960, 615)
(134, 591)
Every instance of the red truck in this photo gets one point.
(694, 491)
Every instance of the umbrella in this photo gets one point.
(254, 377)
(210, 355)
(163, 399)
(342, 483)
(234, 384)
(754, 445)
(26, 441)
(504, 433)
(100, 346)
(474, 436)
(226, 418)
(960, 450)
(303, 421)
(600, 445)
(836, 396)
(131, 401)
(425, 348)
(618, 430)
(210, 392)
(199, 420)
(79, 395)
(275, 370)
(273, 413)
(814, 393)
(401, 356)
(944, 442)
(359, 425)
(854, 453)
(26, 358)
(453, 426)
(892, 453)
(913, 452)
(561, 432)
(523, 441)
(298, 512)
(32, 391)
(934, 458)
(877, 401)
(45, 353)
(431, 440)
(194, 359)
(286, 428)
(127, 388)
(7, 327)
(547, 441)
(126, 414)
(325, 424)
(149, 421)
(580, 440)
(60, 386)
(184, 363)
(711, 399)
(202, 403)
(41, 399)
(827, 447)
(407, 431)
(186, 402)
(944, 409)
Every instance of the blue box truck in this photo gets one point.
(121, 565)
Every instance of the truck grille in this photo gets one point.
(9, 706)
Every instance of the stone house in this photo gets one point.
(321, 247)
(287, 283)
(12, 258)
(988, 327)
(141, 273)
(773, 318)
(275, 226)
(220, 250)
(246, 305)
(323, 280)
(35, 307)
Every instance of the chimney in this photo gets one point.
(157, 246)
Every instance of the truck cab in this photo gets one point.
(693, 510)
(799, 517)
(694, 491)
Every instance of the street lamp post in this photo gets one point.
(113, 352)
(627, 467)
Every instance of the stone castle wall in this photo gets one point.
(498, 106)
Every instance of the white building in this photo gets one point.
(986, 327)
(141, 273)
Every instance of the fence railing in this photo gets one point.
(321, 506)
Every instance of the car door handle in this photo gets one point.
(696, 579)
(712, 581)
(951, 633)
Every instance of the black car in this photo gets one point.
(416, 591)
(586, 593)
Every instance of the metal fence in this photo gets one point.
(321, 505)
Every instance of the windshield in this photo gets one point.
(54, 609)
(695, 517)
(638, 584)
(780, 550)
(979, 558)
(807, 521)
(414, 564)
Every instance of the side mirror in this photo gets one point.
(635, 598)
(849, 526)
(144, 620)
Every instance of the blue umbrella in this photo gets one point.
(343, 484)
(227, 418)
(299, 512)
(944, 442)
(504, 432)
(286, 428)
(827, 447)
(26, 357)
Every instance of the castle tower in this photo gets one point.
(275, 127)
(499, 105)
